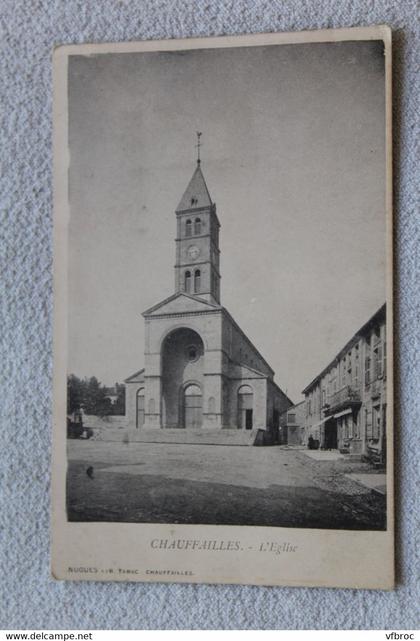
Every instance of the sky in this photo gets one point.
(293, 153)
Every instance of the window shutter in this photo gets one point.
(380, 362)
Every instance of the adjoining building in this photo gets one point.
(200, 369)
(345, 405)
(292, 425)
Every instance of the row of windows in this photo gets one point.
(195, 228)
(347, 373)
(189, 227)
(375, 367)
(194, 281)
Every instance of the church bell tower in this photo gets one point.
(197, 242)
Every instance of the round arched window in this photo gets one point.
(192, 353)
(192, 390)
(245, 389)
(140, 407)
(187, 281)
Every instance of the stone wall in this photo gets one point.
(105, 422)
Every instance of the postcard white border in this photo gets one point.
(323, 558)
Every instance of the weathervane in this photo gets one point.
(198, 145)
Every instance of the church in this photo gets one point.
(200, 371)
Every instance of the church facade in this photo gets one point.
(200, 370)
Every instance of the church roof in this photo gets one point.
(241, 370)
(196, 194)
(137, 377)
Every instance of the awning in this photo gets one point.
(343, 413)
(327, 418)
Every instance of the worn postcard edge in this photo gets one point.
(349, 559)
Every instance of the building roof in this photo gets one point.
(293, 407)
(134, 378)
(196, 194)
(378, 317)
(248, 341)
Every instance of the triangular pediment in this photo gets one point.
(181, 303)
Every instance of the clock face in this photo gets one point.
(193, 252)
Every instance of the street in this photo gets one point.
(210, 484)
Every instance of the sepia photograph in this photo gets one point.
(227, 275)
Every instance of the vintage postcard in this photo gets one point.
(223, 396)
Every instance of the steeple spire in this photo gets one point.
(197, 241)
(196, 194)
(198, 145)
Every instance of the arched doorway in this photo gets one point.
(140, 407)
(182, 364)
(245, 407)
(193, 407)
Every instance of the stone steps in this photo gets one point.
(181, 436)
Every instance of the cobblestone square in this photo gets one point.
(211, 484)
